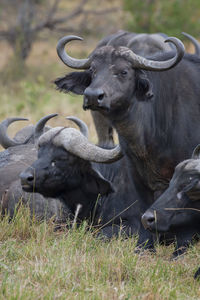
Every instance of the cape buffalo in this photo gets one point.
(107, 198)
(178, 208)
(21, 152)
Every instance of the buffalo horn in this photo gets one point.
(151, 65)
(194, 42)
(155, 39)
(68, 60)
(133, 39)
(196, 152)
(5, 141)
(39, 127)
(82, 126)
(76, 143)
(115, 38)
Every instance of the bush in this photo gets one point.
(170, 17)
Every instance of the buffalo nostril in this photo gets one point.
(85, 104)
(148, 219)
(92, 95)
(30, 178)
(26, 178)
(151, 220)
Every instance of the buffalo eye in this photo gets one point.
(92, 71)
(124, 73)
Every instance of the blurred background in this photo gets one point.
(30, 29)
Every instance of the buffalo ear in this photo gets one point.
(143, 86)
(196, 152)
(95, 183)
(75, 82)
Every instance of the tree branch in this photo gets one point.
(51, 23)
(100, 12)
(6, 35)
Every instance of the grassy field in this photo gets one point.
(37, 262)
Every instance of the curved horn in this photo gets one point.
(196, 152)
(68, 60)
(133, 39)
(39, 127)
(74, 142)
(194, 42)
(5, 141)
(152, 40)
(83, 127)
(151, 65)
(115, 38)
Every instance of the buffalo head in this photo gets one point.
(112, 75)
(178, 204)
(64, 163)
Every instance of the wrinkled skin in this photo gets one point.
(57, 173)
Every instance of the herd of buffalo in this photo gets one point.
(148, 185)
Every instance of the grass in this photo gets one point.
(37, 262)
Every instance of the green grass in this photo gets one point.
(37, 262)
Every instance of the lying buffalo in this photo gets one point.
(21, 152)
(153, 103)
(72, 169)
(178, 208)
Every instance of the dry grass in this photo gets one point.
(37, 262)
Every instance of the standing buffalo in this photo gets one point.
(21, 152)
(142, 44)
(106, 197)
(154, 105)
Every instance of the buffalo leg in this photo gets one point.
(145, 241)
(184, 240)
